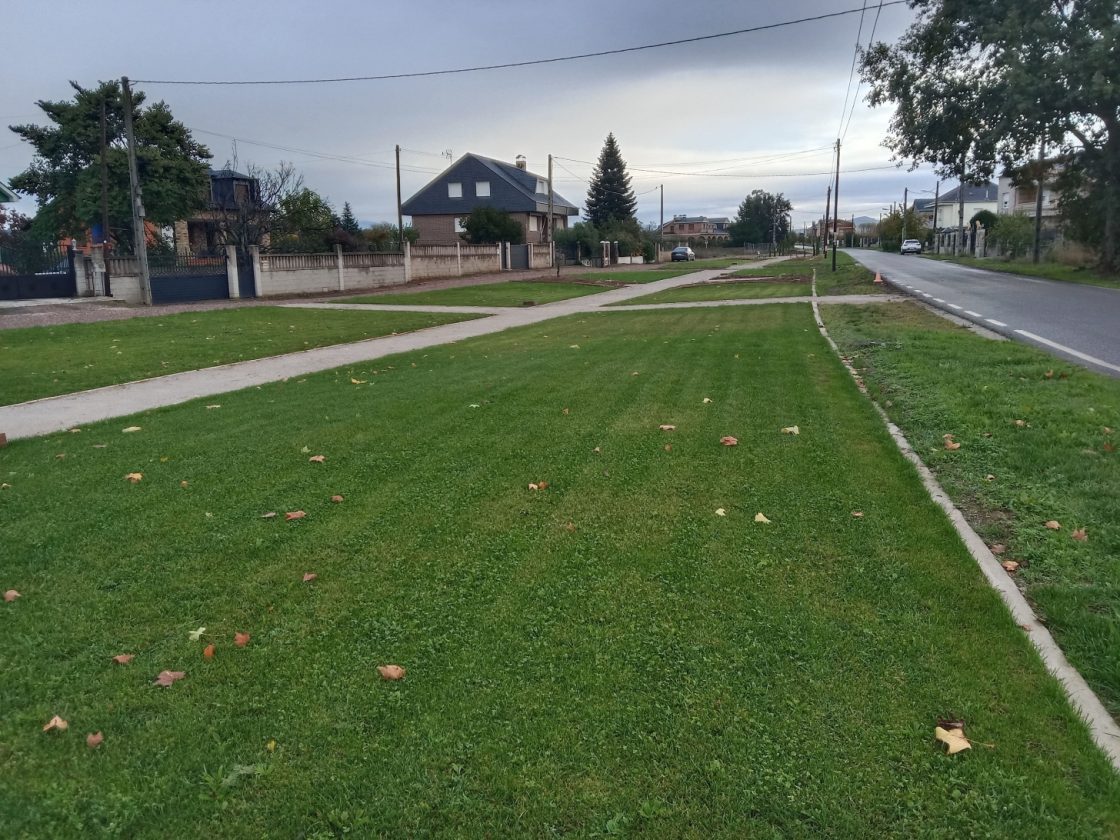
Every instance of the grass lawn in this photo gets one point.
(724, 291)
(850, 278)
(1059, 464)
(605, 655)
(515, 293)
(640, 275)
(40, 362)
(1048, 270)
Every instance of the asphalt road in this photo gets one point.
(1081, 324)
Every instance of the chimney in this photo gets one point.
(519, 162)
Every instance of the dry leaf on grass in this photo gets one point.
(727, 440)
(94, 739)
(184, 484)
(10, 596)
(667, 427)
(721, 512)
(1010, 565)
(56, 724)
(563, 411)
(1049, 374)
(130, 429)
(1080, 535)
(135, 478)
(997, 548)
(989, 477)
(271, 514)
(358, 381)
(953, 739)
(124, 658)
(241, 639)
(309, 576)
(597, 450)
(195, 635)
(1054, 525)
(950, 444)
(533, 486)
(317, 459)
(761, 517)
(668, 447)
(858, 514)
(391, 672)
(569, 527)
(169, 678)
(74, 431)
(707, 400)
(1108, 447)
(1022, 424)
(791, 430)
(212, 407)
(336, 499)
(208, 652)
(294, 514)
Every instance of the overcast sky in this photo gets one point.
(742, 104)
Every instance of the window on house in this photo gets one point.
(542, 186)
(482, 189)
(459, 225)
(1006, 199)
(455, 190)
(241, 194)
(532, 222)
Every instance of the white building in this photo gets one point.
(947, 212)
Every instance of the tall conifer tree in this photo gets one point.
(610, 197)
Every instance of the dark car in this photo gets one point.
(682, 254)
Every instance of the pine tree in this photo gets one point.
(347, 221)
(610, 197)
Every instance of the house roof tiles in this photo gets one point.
(511, 189)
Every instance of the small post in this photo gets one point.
(255, 255)
(459, 257)
(341, 268)
(231, 272)
(407, 261)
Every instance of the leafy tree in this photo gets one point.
(580, 241)
(65, 174)
(981, 82)
(1014, 235)
(985, 218)
(760, 215)
(347, 221)
(304, 222)
(486, 225)
(891, 229)
(384, 236)
(609, 195)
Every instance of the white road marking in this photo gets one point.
(954, 306)
(919, 291)
(994, 321)
(926, 294)
(939, 300)
(973, 314)
(1076, 353)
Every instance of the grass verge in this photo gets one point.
(604, 655)
(1050, 271)
(38, 362)
(725, 291)
(1047, 433)
(515, 293)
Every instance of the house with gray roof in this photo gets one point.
(6, 194)
(439, 208)
(977, 197)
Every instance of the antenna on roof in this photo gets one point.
(447, 154)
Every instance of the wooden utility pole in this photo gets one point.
(400, 215)
(836, 204)
(905, 203)
(140, 246)
(104, 184)
(823, 238)
(549, 239)
(1038, 202)
(661, 230)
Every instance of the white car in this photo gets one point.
(911, 246)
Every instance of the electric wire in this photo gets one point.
(852, 71)
(870, 41)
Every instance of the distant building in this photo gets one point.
(1018, 193)
(230, 192)
(700, 227)
(6, 194)
(947, 210)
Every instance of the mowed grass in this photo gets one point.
(38, 362)
(1058, 462)
(606, 655)
(1048, 270)
(514, 293)
(726, 291)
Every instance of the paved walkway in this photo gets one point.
(53, 414)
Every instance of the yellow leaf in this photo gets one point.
(953, 739)
(761, 517)
(56, 723)
(1054, 525)
(666, 427)
(721, 512)
(135, 478)
(791, 430)
(271, 745)
(356, 382)
(131, 429)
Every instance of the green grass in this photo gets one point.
(40, 362)
(850, 278)
(515, 293)
(1049, 270)
(935, 378)
(724, 291)
(653, 669)
(642, 275)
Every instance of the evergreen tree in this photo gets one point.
(610, 197)
(347, 221)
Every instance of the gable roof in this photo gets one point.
(511, 189)
(6, 194)
(229, 173)
(972, 193)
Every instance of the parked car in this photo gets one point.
(911, 246)
(683, 253)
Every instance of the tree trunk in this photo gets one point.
(1110, 257)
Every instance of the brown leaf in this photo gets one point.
(727, 440)
(94, 739)
(124, 658)
(241, 639)
(667, 427)
(1108, 447)
(564, 411)
(543, 485)
(1010, 565)
(1054, 525)
(1080, 535)
(998, 548)
(10, 596)
(668, 447)
(1022, 424)
(208, 652)
(309, 576)
(135, 478)
(184, 484)
(56, 723)
(953, 739)
(952, 445)
(858, 514)
(569, 527)
(1049, 374)
(989, 477)
(294, 514)
(169, 678)
(336, 499)
(391, 672)
(317, 459)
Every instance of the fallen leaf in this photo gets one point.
(101, 446)
(336, 499)
(94, 739)
(597, 450)
(666, 427)
(1106, 430)
(707, 400)
(727, 440)
(195, 635)
(124, 658)
(74, 431)
(271, 745)
(1108, 447)
(212, 407)
(573, 346)
(791, 430)
(309, 576)
(761, 517)
(60, 456)
(1054, 525)
(543, 485)
(989, 477)
(184, 484)
(317, 459)
(1080, 535)
(56, 723)
(305, 450)
(564, 411)
(10, 596)
(474, 405)
(634, 373)
(268, 515)
(391, 672)
(1010, 565)
(1049, 374)
(721, 512)
(241, 639)
(952, 445)
(534, 486)
(858, 514)
(208, 652)
(358, 381)
(131, 429)
(169, 678)
(1022, 424)
(569, 527)
(953, 739)
(668, 447)
(135, 478)
(294, 514)
(998, 548)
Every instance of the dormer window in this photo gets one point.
(455, 189)
(542, 186)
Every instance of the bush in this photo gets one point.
(1013, 235)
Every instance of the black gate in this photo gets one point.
(28, 273)
(246, 279)
(518, 257)
(188, 277)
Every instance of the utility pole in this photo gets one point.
(104, 184)
(400, 215)
(960, 210)
(140, 246)
(549, 239)
(824, 227)
(936, 235)
(661, 230)
(1038, 202)
(905, 202)
(836, 204)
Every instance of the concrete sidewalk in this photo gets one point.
(52, 414)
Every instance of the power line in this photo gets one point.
(870, 41)
(739, 174)
(852, 71)
(511, 64)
